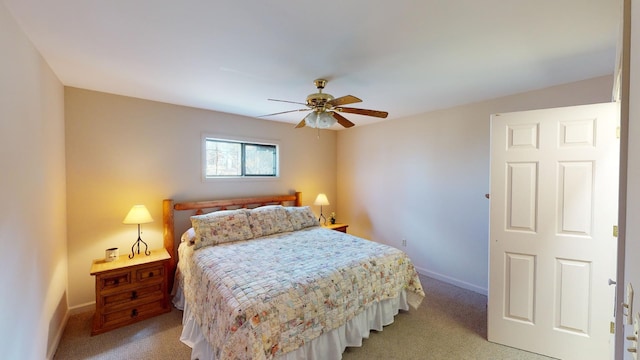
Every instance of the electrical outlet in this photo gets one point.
(404, 242)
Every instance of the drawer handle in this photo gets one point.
(151, 274)
(134, 295)
(134, 313)
(116, 281)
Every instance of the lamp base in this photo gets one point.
(322, 217)
(146, 248)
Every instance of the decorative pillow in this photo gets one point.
(189, 236)
(267, 220)
(301, 217)
(221, 227)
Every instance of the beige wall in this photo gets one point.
(32, 189)
(123, 151)
(424, 178)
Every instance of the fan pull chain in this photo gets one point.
(318, 133)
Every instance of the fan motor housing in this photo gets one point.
(318, 100)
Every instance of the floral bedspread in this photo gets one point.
(260, 298)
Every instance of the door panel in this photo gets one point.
(572, 301)
(575, 187)
(554, 178)
(522, 183)
(520, 287)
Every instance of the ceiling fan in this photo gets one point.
(325, 109)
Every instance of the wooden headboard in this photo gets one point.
(199, 207)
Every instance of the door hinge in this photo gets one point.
(612, 327)
(615, 230)
(618, 132)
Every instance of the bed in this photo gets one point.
(257, 279)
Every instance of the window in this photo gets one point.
(225, 158)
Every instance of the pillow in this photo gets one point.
(221, 227)
(267, 220)
(301, 217)
(189, 236)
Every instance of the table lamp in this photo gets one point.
(321, 199)
(138, 215)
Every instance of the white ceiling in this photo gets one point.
(403, 56)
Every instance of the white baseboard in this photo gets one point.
(58, 337)
(78, 309)
(453, 281)
(90, 306)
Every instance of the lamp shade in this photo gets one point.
(321, 199)
(319, 119)
(325, 120)
(138, 215)
(311, 120)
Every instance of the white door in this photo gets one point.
(554, 198)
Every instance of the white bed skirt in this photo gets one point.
(329, 346)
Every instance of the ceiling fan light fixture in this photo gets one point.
(325, 120)
(311, 120)
(320, 120)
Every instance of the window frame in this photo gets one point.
(243, 141)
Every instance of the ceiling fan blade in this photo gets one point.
(284, 112)
(344, 100)
(301, 124)
(376, 113)
(341, 120)
(287, 101)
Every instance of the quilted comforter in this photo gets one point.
(260, 298)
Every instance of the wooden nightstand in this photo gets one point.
(130, 290)
(337, 227)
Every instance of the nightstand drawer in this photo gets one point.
(150, 273)
(112, 281)
(132, 295)
(135, 313)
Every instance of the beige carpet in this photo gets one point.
(450, 324)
